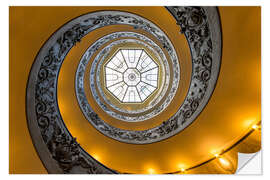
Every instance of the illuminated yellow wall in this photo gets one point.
(237, 95)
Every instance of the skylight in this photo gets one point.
(131, 75)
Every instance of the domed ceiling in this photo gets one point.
(139, 90)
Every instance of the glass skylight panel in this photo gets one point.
(118, 90)
(112, 77)
(145, 90)
(117, 63)
(138, 53)
(146, 63)
(132, 95)
(131, 75)
(150, 77)
(128, 55)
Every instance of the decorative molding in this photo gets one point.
(96, 65)
(196, 29)
(56, 147)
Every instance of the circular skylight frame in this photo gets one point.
(100, 59)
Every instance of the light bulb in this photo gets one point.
(182, 170)
(255, 126)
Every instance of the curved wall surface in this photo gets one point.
(236, 99)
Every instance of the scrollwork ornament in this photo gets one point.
(57, 148)
(96, 66)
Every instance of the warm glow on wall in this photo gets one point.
(182, 167)
(216, 152)
(224, 162)
(233, 111)
(256, 127)
(250, 122)
(95, 156)
(216, 155)
(151, 171)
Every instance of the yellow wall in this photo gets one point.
(30, 27)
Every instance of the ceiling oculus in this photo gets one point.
(165, 82)
(131, 75)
